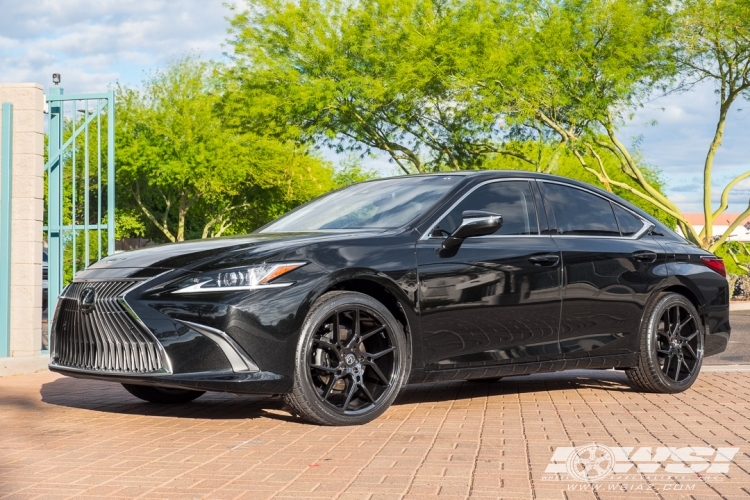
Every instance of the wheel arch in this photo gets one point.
(378, 291)
(688, 294)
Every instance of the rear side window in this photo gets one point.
(580, 213)
(511, 199)
(629, 223)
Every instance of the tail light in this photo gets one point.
(715, 264)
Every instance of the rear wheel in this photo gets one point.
(671, 347)
(351, 360)
(164, 395)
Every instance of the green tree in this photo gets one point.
(190, 174)
(713, 44)
(458, 84)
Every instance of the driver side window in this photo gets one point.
(511, 199)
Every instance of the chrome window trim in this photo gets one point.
(427, 234)
(647, 225)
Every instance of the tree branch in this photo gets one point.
(163, 228)
(729, 230)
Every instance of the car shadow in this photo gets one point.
(109, 397)
(605, 380)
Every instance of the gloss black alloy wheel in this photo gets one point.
(671, 347)
(351, 360)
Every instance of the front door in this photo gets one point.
(497, 300)
(610, 267)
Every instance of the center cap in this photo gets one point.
(350, 359)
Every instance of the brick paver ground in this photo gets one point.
(68, 438)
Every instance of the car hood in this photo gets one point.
(199, 255)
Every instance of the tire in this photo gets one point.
(670, 356)
(348, 375)
(162, 395)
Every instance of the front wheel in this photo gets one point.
(351, 360)
(671, 347)
(163, 395)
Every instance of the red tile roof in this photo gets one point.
(724, 219)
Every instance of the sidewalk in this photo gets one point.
(68, 438)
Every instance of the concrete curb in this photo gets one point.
(23, 364)
(739, 306)
(725, 368)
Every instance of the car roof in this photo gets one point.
(500, 174)
(479, 175)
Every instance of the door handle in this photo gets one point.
(644, 256)
(547, 260)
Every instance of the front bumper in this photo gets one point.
(131, 335)
(239, 383)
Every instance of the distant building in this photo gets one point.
(722, 222)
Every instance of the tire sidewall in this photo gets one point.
(323, 309)
(660, 307)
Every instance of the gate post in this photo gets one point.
(54, 202)
(26, 232)
(6, 221)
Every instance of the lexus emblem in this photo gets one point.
(88, 300)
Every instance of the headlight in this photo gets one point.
(241, 278)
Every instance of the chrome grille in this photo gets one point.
(106, 338)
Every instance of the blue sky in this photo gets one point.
(95, 43)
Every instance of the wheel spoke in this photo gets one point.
(690, 372)
(322, 368)
(688, 320)
(668, 321)
(690, 337)
(355, 329)
(366, 392)
(381, 353)
(371, 333)
(326, 345)
(677, 371)
(667, 364)
(336, 326)
(690, 349)
(329, 387)
(665, 353)
(350, 395)
(356, 323)
(377, 371)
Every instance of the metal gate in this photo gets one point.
(80, 176)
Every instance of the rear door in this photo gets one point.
(610, 267)
(497, 300)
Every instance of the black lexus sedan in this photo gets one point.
(341, 302)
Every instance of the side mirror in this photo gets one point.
(473, 223)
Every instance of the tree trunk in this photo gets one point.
(708, 212)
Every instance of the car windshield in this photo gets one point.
(382, 204)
